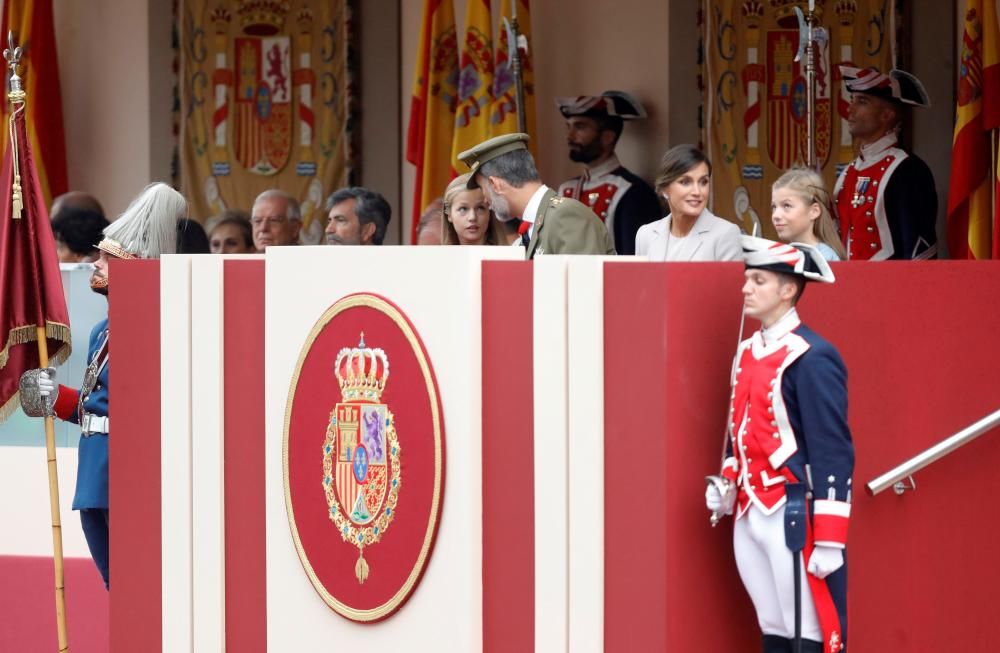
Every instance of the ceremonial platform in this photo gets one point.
(546, 427)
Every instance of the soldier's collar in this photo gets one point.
(785, 325)
(874, 150)
(604, 168)
(531, 210)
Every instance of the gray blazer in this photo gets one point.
(710, 239)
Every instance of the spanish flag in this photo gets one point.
(504, 116)
(475, 81)
(31, 23)
(972, 197)
(432, 107)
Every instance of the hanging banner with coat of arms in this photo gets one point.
(266, 95)
(755, 93)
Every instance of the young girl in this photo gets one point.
(468, 219)
(800, 212)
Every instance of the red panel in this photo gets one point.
(669, 332)
(134, 456)
(919, 343)
(508, 461)
(246, 564)
(27, 602)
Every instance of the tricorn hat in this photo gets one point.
(894, 86)
(616, 104)
(796, 259)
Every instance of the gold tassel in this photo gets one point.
(361, 568)
(15, 194)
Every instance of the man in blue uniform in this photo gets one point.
(789, 458)
(146, 230)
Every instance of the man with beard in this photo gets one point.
(358, 216)
(505, 170)
(147, 229)
(622, 199)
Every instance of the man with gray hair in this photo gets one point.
(358, 216)
(276, 219)
(506, 172)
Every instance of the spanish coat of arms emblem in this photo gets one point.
(361, 452)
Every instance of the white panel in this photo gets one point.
(208, 517)
(551, 442)
(24, 484)
(586, 453)
(438, 288)
(175, 450)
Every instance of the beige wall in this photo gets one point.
(115, 73)
(115, 68)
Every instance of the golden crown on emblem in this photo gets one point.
(262, 17)
(753, 12)
(846, 9)
(361, 372)
(784, 10)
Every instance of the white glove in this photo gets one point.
(718, 501)
(46, 383)
(825, 560)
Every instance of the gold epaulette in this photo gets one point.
(556, 201)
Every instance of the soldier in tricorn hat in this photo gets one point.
(786, 471)
(885, 199)
(619, 197)
(505, 170)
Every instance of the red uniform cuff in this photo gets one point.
(830, 520)
(730, 469)
(66, 401)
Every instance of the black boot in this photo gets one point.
(775, 644)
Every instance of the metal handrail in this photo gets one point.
(894, 477)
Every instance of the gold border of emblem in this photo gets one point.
(386, 308)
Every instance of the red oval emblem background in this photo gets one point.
(363, 457)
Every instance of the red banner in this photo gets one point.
(29, 274)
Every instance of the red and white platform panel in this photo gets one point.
(580, 402)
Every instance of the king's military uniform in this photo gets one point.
(565, 226)
(558, 225)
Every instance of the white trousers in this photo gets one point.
(765, 565)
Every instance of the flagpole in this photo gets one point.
(54, 509)
(16, 95)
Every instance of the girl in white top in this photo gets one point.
(800, 212)
(689, 232)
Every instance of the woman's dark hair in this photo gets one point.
(677, 161)
(79, 229)
(191, 238)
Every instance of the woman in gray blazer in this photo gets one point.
(689, 232)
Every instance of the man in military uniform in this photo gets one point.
(885, 199)
(505, 170)
(622, 199)
(146, 230)
(789, 458)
